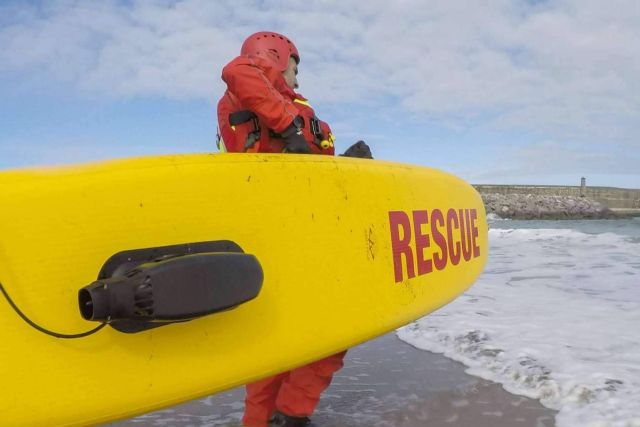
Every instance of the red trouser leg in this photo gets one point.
(260, 401)
(300, 391)
(294, 393)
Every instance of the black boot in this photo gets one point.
(282, 420)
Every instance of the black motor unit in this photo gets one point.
(156, 286)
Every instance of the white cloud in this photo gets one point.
(552, 158)
(566, 69)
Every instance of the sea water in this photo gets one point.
(555, 316)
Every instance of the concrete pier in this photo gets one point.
(619, 201)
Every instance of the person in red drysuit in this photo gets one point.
(261, 112)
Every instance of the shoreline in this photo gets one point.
(384, 383)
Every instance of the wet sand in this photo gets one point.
(385, 383)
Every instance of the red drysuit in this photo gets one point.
(294, 393)
(255, 85)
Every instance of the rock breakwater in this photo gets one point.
(534, 206)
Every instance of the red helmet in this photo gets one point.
(276, 44)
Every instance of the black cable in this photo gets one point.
(40, 328)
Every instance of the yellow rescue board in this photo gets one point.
(350, 249)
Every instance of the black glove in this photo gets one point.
(294, 139)
(360, 150)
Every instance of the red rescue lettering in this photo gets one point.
(454, 245)
(465, 234)
(474, 236)
(401, 246)
(425, 266)
(439, 258)
(422, 240)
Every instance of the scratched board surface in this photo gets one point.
(350, 249)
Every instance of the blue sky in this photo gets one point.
(500, 91)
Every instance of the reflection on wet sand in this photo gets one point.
(385, 383)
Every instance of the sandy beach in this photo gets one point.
(385, 383)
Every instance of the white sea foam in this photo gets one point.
(556, 317)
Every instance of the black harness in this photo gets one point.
(244, 116)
